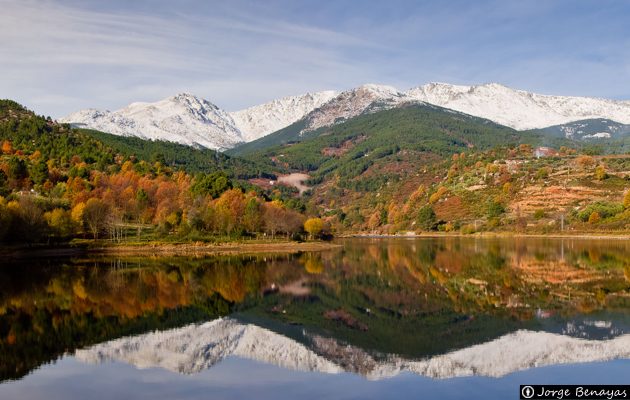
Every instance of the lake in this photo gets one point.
(447, 318)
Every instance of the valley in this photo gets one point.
(367, 161)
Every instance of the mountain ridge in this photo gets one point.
(194, 121)
(191, 120)
(263, 119)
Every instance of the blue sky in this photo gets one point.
(60, 56)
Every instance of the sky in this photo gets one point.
(57, 57)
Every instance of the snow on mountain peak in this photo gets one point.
(517, 108)
(261, 120)
(354, 102)
(381, 91)
(183, 118)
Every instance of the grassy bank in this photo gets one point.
(200, 248)
(161, 248)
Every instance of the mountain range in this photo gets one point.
(193, 121)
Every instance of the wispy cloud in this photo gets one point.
(59, 56)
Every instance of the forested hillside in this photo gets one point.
(424, 168)
(57, 183)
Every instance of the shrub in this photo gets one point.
(468, 229)
(495, 209)
(600, 173)
(543, 173)
(602, 208)
(594, 218)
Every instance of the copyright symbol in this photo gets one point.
(527, 392)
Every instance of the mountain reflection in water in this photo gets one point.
(194, 348)
(435, 307)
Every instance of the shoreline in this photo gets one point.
(494, 235)
(211, 249)
(163, 249)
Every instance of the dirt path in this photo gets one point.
(296, 180)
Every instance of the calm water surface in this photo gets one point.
(442, 318)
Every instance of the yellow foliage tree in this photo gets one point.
(313, 226)
(60, 221)
(414, 200)
(375, 220)
(600, 173)
(77, 212)
(437, 195)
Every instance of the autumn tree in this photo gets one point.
(374, 221)
(439, 193)
(291, 222)
(393, 213)
(77, 213)
(585, 161)
(600, 173)
(415, 199)
(229, 209)
(272, 215)
(252, 215)
(594, 218)
(95, 216)
(60, 221)
(313, 226)
(166, 198)
(6, 148)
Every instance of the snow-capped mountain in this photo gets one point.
(183, 118)
(354, 102)
(514, 108)
(519, 109)
(193, 121)
(261, 120)
(194, 348)
(590, 129)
